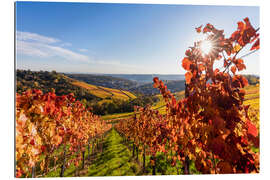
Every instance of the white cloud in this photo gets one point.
(36, 45)
(30, 49)
(27, 36)
(65, 53)
(83, 50)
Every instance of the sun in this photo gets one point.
(206, 47)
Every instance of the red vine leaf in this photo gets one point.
(155, 79)
(252, 130)
(186, 63)
(233, 69)
(241, 26)
(240, 64)
(188, 76)
(199, 29)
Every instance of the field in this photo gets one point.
(117, 116)
(252, 98)
(104, 92)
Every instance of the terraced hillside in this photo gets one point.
(252, 98)
(104, 92)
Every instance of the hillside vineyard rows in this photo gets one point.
(212, 127)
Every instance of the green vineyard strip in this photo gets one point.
(116, 159)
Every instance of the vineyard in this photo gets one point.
(103, 92)
(210, 128)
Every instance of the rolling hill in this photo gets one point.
(140, 83)
(104, 92)
(46, 81)
(135, 83)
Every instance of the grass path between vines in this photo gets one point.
(115, 160)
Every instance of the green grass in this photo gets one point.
(116, 159)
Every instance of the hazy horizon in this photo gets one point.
(93, 73)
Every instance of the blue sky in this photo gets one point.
(118, 38)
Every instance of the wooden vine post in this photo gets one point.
(137, 149)
(133, 150)
(143, 158)
(153, 163)
(33, 171)
(186, 165)
(88, 148)
(83, 159)
(93, 146)
(64, 162)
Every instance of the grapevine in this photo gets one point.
(211, 125)
(44, 122)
